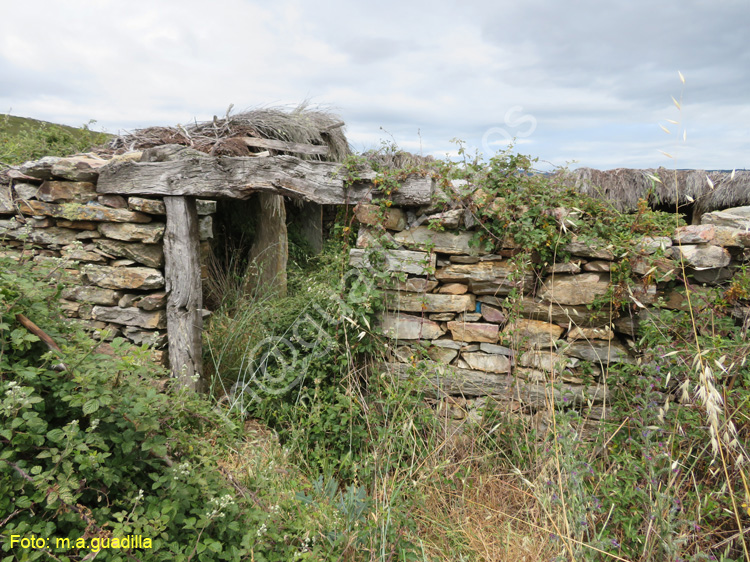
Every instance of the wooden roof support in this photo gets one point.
(237, 178)
(184, 293)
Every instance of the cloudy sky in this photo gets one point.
(577, 81)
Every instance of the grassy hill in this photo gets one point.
(23, 138)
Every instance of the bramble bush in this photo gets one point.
(107, 448)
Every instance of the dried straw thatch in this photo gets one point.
(386, 159)
(223, 137)
(705, 191)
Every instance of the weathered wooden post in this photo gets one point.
(270, 250)
(183, 284)
(310, 219)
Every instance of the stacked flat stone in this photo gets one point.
(106, 248)
(450, 297)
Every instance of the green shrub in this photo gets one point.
(26, 139)
(99, 451)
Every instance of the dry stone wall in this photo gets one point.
(493, 330)
(107, 248)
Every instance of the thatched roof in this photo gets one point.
(224, 137)
(707, 191)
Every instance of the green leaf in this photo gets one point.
(91, 406)
(55, 435)
(24, 502)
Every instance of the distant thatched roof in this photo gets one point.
(224, 137)
(624, 187)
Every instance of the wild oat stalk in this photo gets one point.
(723, 436)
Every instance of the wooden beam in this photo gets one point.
(238, 178)
(299, 148)
(183, 284)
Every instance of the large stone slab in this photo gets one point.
(75, 253)
(147, 337)
(731, 237)
(78, 212)
(564, 267)
(66, 191)
(391, 218)
(77, 225)
(575, 289)
(545, 360)
(150, 255)
(599, 351)
(651, 244)
(711, 276)
(603, 333)
(423, 238)
(703, 256)
(82, 168)
(92, 295)
(695, 234)
(369, 238)
(560, 395)
(6, 200)
(594, 250)
(736, 217)
(25, 190)
(662, 269)
(407, 327)
(40, 169)
(130, 317)
(52, 237)
(150, 206)
(490, 362)
(124, 277)
(487, 278)
(452, 344)
(454, 289)
(497, 349)
(411, 285)
(206, 228)
(402, 261)
(441, 354)
(492, 314)
(428, 302)
(527, 333)
(447, 219)
(156, 206)
(598, 266)
(439, 380)
(147, 233)
(528, 307)
(114, 201)
(474, 331)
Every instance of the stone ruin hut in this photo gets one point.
(131, 224)
(130, 230)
